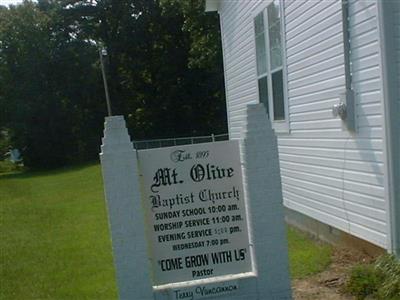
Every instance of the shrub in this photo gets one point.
(364, 280)
(388, 266)
(7, 166)
(4, 142)
(380, 280)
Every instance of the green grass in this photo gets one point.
(306, 257)
(54, 238)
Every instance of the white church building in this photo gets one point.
(328, 73)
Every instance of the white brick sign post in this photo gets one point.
(121, 185)
(264, 194)
(207, 237)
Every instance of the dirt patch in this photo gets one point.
(328, 285)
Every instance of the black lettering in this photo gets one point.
(221, 257)
(171, 264)
(164, 177)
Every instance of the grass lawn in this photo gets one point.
(54, 238)
(306, 257)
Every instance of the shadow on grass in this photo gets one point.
(26, 174)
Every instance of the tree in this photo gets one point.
(48, 85)
(165, 65)
(164, 69)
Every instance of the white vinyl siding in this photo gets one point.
(327, 173)
(239, 60)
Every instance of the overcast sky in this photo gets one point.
(7, 2)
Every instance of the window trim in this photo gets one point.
(280, 126)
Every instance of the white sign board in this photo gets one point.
(195, 212)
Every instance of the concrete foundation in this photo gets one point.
(330, 234)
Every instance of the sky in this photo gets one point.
(7, 2)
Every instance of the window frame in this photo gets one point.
(280, 126)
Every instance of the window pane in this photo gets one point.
(275, 45)
(259, 23)
(276, 58)
(273, 12)
(261, 53)
(277, 92)
(263, 91)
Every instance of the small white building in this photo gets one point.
(303, 59)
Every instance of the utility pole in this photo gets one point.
(103, 52)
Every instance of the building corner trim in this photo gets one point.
(392, 218)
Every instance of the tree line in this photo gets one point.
(164, 70)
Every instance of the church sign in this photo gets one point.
(195, 213)
(182, 224)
